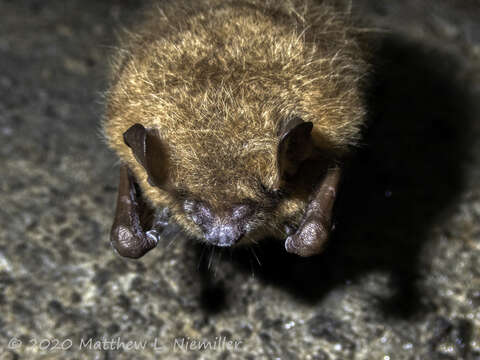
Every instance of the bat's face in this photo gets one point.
(231, 196)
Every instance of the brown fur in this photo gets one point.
(217, 77)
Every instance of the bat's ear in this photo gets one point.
(149, 151)
(294, 147)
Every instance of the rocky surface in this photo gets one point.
(400, 279)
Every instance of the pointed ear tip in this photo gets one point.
(132, 131)
(302, 129)
(306, 127)
(135, 127)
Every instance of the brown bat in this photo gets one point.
(234, 118)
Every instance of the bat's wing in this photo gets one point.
(131, 234)
(316, 224)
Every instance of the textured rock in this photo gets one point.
(399, 280)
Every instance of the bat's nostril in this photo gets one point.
(197, 219)
(241, 212)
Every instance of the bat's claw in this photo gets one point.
(153, 236)
(290, 245)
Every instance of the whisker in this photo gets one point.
(204, 248)
(174, 237)
(251, 266)
(217, 261)
(210, 260)
(252, 250)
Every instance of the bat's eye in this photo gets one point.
(273, 193)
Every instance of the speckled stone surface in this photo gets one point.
(400, 279)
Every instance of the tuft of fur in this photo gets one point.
(217, 78)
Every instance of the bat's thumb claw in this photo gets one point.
(290, 245)
(153, 237)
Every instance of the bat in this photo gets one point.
(234, 120)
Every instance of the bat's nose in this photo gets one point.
(224, 235)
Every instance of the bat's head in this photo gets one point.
(223, 110)
(227, 191)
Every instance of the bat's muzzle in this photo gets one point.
(224, 235)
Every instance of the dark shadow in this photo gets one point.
(213, 296)
(408, 171)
